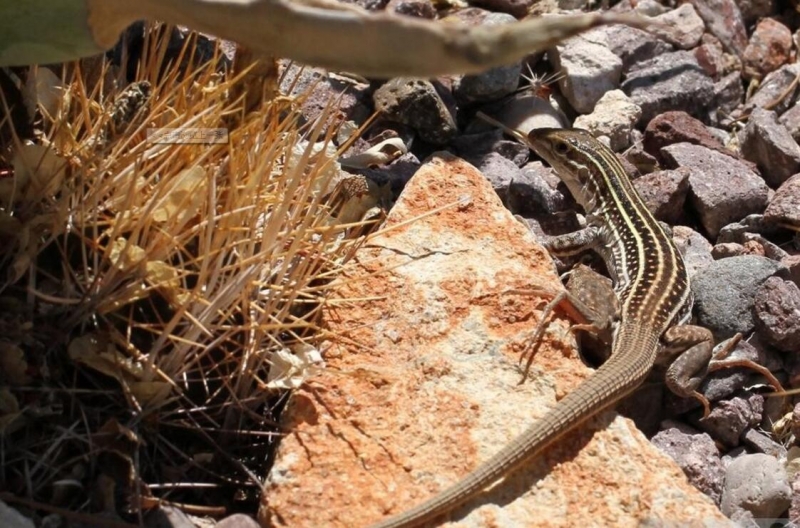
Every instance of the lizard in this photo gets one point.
(655, 302)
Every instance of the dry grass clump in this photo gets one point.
(155, 298)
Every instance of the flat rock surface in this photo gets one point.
(422, 385)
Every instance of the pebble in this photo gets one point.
(791, 120)
(729, 418)
(694, 247)
(494, 83)
(11, 518)
(418, 104)
(724, 20)
(413, 8)
(499, 170)
(697, 456)
(614, 116)
(590, 70)
(761, 443)
(775, 92)
(722, 189)
(530, 194)
(767, 143)
(756, 484)
(664, 193)
(679, 127)
(725, 293)
(777, 313)
(475, 146)
(630, 44)
(769, 49)
(237, 520)
(784, 207)
(672, 81)
(681, 27)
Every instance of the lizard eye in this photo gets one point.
(561, 147)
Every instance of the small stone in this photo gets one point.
(630, 44)
(649, 8)
(727, 250)
(590, 70)
(499, 171)
(694, 247)
(784, 207)
(724, 20)
(792, 263)
(11, 518)
(722, 189)
(728, 95)
(728, 419)
(672, 81)
(413, 8)
(777, 313)
(681, 27)
(725, 293)
(237, 520)
(636, 155)
(494, 83)
(774, 93)
(761, 443)
(664, 193)
(476, 145)
(768, 50)
(524, 113)
(767, 143)
(679, 127)
(757, 484)
(516, 8)
(418, 104)
(614, 116)
(530, 194)
(752, 10)
(791, 120)
(698, 457)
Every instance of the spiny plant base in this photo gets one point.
(146, 289)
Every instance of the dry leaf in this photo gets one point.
(381, 154)
(125, 256)
(38, 171)
(150, 394)
(93, 351)
(13, 365)
(42, 88)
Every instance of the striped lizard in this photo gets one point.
(655, 302)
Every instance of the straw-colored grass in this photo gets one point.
(146, 289)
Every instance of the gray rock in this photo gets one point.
(613, 116)
(631, 45)
(757, 484)
(530, 194)
(761, 443)
(777, 313)
(725, 291)
(11, 518)
(590, 70)
(727, 381)
(724, 20)
(418, 104)
(492, 84)
(784, 207)
(791, 120)
(475, 146)
(237, 520)
(768, 143)
(722, 189)
(672, 81)
(729, 419)
(774, 93)
(524, 113)
(681, 27)
(500, 172)
(414, 8)
(698, 457)
(694, 247)
(664, 193)
(728, 95)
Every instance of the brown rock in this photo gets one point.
(724, 20)
(784, 207)
(777, 311)
(423, 385)
(664, 193)
(767, 143)
(768, 49)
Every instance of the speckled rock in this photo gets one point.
(697, 456)
(728, 419)
(777, 313)
(724, 20)
(679, 127)
(630, 44)
(672, 81)
(775, 92)
(414, 8)
(722, 189)
(768, 49)
(681, 27)
(766, 142)
(664, 193)
(614, 117)
(694, 247)
(755, 485)
(418, 104)
(784, 207)
(725, 293)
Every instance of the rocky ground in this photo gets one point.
(703, 112)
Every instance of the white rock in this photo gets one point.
(614, 116)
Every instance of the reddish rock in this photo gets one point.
(724, 20)
(679, 127)
(664, 193)
(768, 50)
(784, 207)
(422, 384)
(777, 313)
